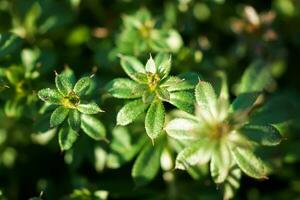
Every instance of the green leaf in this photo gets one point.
(163, 94)
(244, 101)
(148, 96)
(220, 163)
(82, 86)
(232, 183)
(171, 81)
(130, 111)
(66, 138)
(58, 116)
(184, 129)
(150, 66)
(221, 86)
(124, 89)
(63, 84)
(147, 164)
(69, 73)
(249, 163)
(261, 134)
(74, 120)
(163, 63)
(256, 78)
(183, 100)
(186, 81)
(155, 119)
(198, 152)
(50, 96)
(93, 127)
(206, 98)
(132, 67)
(91, 108)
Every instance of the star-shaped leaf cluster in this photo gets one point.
(72, 111)
(222, 134)
(149, 87)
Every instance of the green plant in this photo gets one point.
(140, 35)
(214, 106)
(223, 135)
(150, 86)
(68, 98)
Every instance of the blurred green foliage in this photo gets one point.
(255, 44)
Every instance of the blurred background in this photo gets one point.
(40, 36)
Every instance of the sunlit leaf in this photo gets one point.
(58, 116)
(184, 129)
(130, 111)
(50, 96)
(197, 153)
(66, 138)
(124, 89)
(150, 66)
(74, 120)
(155, 119)
(132, 66)
(82, 86)
(63, 84)
(93, 127)
(262, 134)
(90, 108)
(249, 163)
(206, 98)
(220, 163)
(183, 100)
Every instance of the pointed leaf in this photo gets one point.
(221, 86)
(256, 78)
(183, 129)
(148, 96)
(132, 66)
(183, 100)
(232, 183)
(185, 81)
(163, 94)
(124, 89)
(50, 96)
(155, 119)
(93, 127)
(66, 138)
(206, 98)
(244, 101)
(249, 163)
(163, 63)
(63, 84)
(74, 120)
(91, 108)
(147, 164)
(58, 116)
(69, 73)
(130, 111)
(82, 86)
(197, 153)
(262, 134)
(220, 163)
(150, 66)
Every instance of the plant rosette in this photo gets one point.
(149, 87)
(70, 107)
(221, 134)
